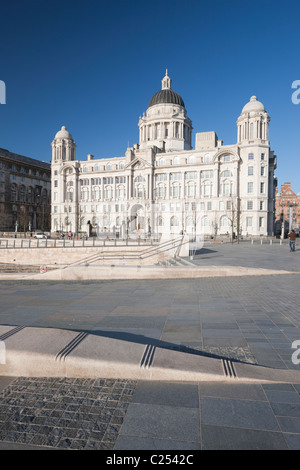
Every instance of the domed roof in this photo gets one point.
(63, 134)
(166, 94)
(253, 105)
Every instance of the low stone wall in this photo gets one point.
(61, 255)
(135, 254)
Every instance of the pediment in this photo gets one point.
(138, 164)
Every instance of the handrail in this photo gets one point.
(138, 255)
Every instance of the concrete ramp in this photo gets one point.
(49, 352)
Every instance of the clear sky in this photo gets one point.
(94, 65)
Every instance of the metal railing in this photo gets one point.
(137, 255)
(19, 243)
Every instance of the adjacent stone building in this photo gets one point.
(287, 209)
(25, 187)
(165, 187)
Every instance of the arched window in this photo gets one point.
(225, 221)
(226, 174)
(13, 192)
(84, 194)
(96, 193)
(191, 159)
(207, 158)
(30, 195)
(108, 193)
(161, 191)
(174, 221)
(189, 222)
(226, 188)
(191, 190)
(121, 165)
(206, 189)
(160, 221)
(175, 190)
(108, 166)
(139, 191)
(176, 161)
(70, 194)
(251, 130)
(119, 221)
(139, 179)
(120, 192)
(85, 169)
(161, 162)
(205, 222)
(22, 193)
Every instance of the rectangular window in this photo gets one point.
(55, 183)
(249, 205)
(250, 156)
(262, 156)
(262, 188)
(228, 205)
(249, 221)
(262, 171)
(221, 205)
(209, 206)
(250, 170)
(261, 222)
(250, 188)
(261, 205)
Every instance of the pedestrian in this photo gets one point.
(70, 235)
(292, 237)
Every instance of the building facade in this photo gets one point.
(287, 209)
(25, 187)
(165, 187)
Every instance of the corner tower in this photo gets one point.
(63, 147)
(253, 123)
(165, 124)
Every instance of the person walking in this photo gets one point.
(292, 237)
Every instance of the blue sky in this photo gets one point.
(94, 65)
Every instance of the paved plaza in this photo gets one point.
(245, 319)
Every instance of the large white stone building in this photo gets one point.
(162, 185)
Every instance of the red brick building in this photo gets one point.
(287, 207)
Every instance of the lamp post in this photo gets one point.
(282, 225)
